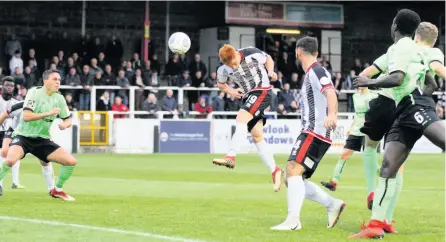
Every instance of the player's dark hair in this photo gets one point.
(47, 73)
(7, 79)
(407, 22)
(308, 44)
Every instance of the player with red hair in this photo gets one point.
(251, 69)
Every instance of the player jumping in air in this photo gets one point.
(415, 114)
(42, 106)
(355, 140)
(6, 100)
(379, 118)
(15, 112)
(252, 70)
(319, 107)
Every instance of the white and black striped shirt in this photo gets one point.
(313, 103)
(15, 112)
(251, 74)
(3, 108)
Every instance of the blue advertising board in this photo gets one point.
(185, 136)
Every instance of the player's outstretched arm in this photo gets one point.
(393, 80)
(370, 71)
(29, 115)
(430, 85)
(439, 68)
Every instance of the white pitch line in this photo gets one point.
(103, 229)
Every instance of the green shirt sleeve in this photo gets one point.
(64, 112)
(381, 63)
(30, 100)
(434, 54)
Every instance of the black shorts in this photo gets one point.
(39, 147)
(308, 151)
(415, 113)
(379, 118)
(8, 134)
(255, 103)
(354, 142)
(2, 136)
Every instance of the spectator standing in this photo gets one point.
(198, 65)
(86, 83)
(136, 62)
(30, 78)
(147, 72)
(12, 47)
(123, 82)
(19, 79)
(280, 81)
(94, 68)
(139, 93)
(101, 60)
(114, 51)
(155, 63)
(184, 80)
(338, 81)
(173, 69)
(129, 72)
(295, 84)
(183, 62)
(357, 67)
(110, 80)
(16, 61)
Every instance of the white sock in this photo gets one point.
(295, 197)
(240, 135)
(48, 174)
(316, 194)
(266, 155)
(15, 173)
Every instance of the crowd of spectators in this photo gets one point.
(97, 61)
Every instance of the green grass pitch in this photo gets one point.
(185, 196)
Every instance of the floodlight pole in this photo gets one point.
(146, 33)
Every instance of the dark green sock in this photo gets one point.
(3, 170)
(338, 170)
(65, 174)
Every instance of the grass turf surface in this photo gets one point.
(186, 196)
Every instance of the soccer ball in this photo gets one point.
(179, 43)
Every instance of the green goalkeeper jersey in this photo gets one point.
(361, 102)
(38, 101)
